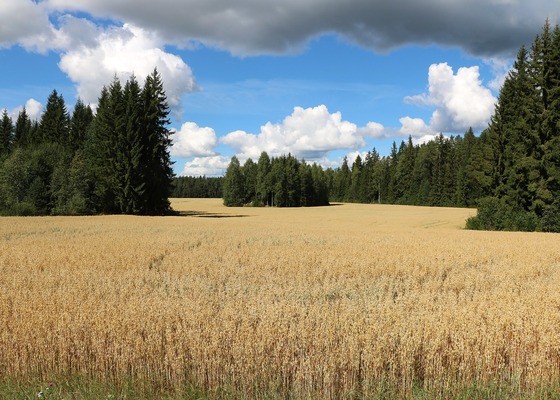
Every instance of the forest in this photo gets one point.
(114, 161)
(510, 172)
(117, 159)
(197, 187)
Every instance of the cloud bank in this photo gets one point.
(307, 133)
(90, 54)
(481, 27)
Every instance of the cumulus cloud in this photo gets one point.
(461, 100)
(486, 28)
(33, 109)
(307, 133)
(415, 127)
(24, 22)
(92, 55)
(193, 141)
(424, 139)
(206, 166)
(500, 70)
(92, 60)
(374, 130)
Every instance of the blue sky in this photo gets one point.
(322, 79)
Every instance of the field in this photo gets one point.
(347, 301)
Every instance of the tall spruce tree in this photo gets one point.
(6, 134)
(264, 190)
(156, 144)
(234, 184)
(131, 187)
(102, 149)
(55, 121)
(81, 119)
(22, 130)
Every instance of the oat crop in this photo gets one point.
(323, 302)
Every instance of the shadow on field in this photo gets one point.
(204, 214)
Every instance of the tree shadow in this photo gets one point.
(204, 214)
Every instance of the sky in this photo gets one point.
(320, 79)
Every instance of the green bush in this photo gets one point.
(551, 217)
(496, 215)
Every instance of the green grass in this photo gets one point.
(77, 388)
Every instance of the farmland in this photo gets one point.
(344, 301)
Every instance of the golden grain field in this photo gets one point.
(323, 302)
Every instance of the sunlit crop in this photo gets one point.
(319, 302)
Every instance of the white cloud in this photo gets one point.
(424, 139)
(500, 70)
(461, 100)
(33, 108)
(307, 133)
(206, 166)
(24, 22)
(374, 130)
(352, 157)
(193, 141)
(92, 55)
(414, 127)
(121, 51)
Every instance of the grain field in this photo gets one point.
(327, 302)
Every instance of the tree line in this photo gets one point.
(281, 181)
(197, 187)
(450, 172)
(114, 161)
(510, 172)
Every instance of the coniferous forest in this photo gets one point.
(116, 161)
(197, 187)
(511, 171)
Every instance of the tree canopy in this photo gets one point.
(114, 161)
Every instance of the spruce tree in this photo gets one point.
(131, 173)
(356, 180)
(82, 117)
(102, 147)
(55, 121)
(234, 184)
(264, 190)
(156, 144)
(6, 134)
(250, 172)
(22, 131)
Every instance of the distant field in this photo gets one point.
(346, 301)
